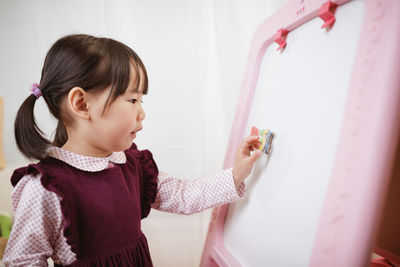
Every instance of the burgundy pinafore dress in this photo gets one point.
(102, 210)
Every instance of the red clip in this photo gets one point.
(326, 13)
(280, 38)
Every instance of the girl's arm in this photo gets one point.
(190, 196)
(35, 234)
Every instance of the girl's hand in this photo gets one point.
(245, 160)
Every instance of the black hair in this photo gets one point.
(78, 60)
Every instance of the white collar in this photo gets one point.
(85, 163)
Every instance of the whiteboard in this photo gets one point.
(332, 98)
(300, 95)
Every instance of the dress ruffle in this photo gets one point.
(48, 182)
(18, 174)
(150, 176)
(70, 229)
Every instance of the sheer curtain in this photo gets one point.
(195, 53)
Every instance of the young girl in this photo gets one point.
(83, 202)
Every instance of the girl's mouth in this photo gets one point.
(133, 133)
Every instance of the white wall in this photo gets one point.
(195, 53)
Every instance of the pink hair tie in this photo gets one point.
(35, 90)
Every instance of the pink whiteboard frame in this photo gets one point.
(367, 142)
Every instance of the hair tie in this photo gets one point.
(35, 90)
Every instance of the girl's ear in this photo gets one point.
(78, 102)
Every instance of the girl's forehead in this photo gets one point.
(136, 82)
(134, 90)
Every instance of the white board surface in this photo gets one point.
(300, 96)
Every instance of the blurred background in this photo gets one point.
(195, 53)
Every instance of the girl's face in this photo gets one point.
(116, 128)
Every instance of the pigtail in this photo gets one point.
(61, 136)
(30, 139)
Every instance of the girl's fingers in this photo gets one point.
(252, 138)
(252, 141)
(249, 144)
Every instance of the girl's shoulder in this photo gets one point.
(27, 182)
(148, 177)
(24, 172)
(29, 188)
(143, 157)
(30, 170)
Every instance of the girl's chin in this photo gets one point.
(126, 147)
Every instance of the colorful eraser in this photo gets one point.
(265, 138)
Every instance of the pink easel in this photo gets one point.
(360, 214)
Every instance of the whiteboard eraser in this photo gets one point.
(265, 137)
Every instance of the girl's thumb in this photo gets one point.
(255, 155)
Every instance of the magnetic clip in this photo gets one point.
(268, 142)
(254, 131)
(265, 137)
(326, 13)
(280, 38)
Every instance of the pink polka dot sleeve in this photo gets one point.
(37, 230)
(190, 196)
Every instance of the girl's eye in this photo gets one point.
(133, 101)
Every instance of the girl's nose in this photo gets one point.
(141, 114)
